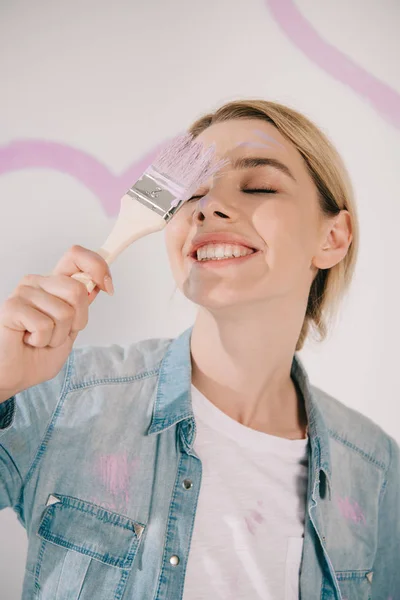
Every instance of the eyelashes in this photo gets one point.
(260, 191)
(245, 191)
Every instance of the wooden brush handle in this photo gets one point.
(134, 221)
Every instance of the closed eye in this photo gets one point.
(247, 191)
(260, 191)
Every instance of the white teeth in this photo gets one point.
(221, 251)
(236, 251)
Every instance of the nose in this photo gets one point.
(211, 207)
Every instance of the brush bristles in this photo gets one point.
(186, 163)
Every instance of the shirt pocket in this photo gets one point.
(86, 551)
(355, 585)
(292, 568)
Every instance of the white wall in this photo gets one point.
(114, 79)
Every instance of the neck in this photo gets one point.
(242, 364)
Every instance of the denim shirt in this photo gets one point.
(96, 463)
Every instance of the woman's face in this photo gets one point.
(284, 225)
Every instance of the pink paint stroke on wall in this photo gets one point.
(88, 170)
(109, 187)
(384, 99)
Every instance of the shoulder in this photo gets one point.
(355, 431)
(90, 364)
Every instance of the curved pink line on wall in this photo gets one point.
(383, 98)
(109, 188)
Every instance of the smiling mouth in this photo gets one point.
(222, 261)
(247, 249)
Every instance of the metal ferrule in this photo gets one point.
(151, 192)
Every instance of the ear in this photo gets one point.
(336, 239)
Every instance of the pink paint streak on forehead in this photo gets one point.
(251, 145)
(269, 141)
(267, 137)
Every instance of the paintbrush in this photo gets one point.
(156, 197)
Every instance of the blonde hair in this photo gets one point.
(334, 190)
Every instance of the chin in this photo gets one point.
(216, 299)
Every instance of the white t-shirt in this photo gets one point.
(249, 526)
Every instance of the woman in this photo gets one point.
(208, 466)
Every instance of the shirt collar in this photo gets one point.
(173, 399)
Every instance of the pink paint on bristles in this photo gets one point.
(184, 165)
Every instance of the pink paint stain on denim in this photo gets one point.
(115, 471)
(384, 99)
(351, 510)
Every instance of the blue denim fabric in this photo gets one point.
(93, 464)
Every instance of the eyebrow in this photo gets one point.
(249, 162)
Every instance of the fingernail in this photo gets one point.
(108, 284)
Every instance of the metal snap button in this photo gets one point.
(174, 560)
(187, 484)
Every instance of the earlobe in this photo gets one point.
(319, 259)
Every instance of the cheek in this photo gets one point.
(285, 230)
(175, 234)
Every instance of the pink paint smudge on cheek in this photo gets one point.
(351, 510)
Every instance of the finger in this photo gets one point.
(71, 293)
(87, 261)
(18, 316)
(66, 318)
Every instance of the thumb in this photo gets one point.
(93, 294)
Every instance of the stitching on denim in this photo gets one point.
(43, 444)
(358, 450)
(116, 519)
(89, 508)
(60, 541)
(166, 423)
(116, 380)
(121, 585)
(349, 575)
(167, 529)
(385, 480)
(135, 545)
(175, 492)
(39, 566)
(191, 529)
